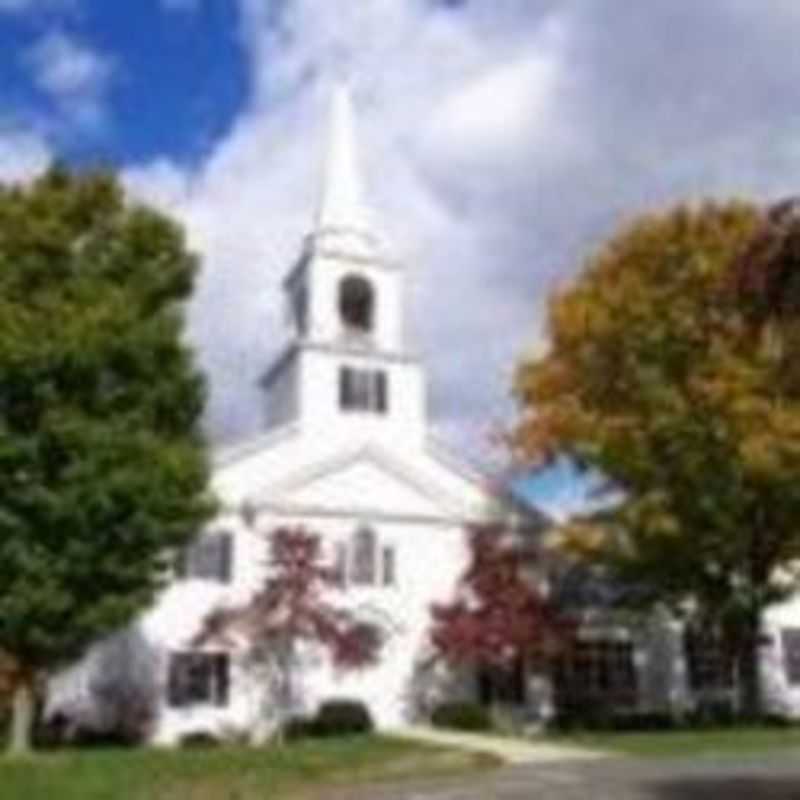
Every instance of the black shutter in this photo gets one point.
(381, 392)
(221, 679)
(345, 388)
(176, 680)
(225, 557)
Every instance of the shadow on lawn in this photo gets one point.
(731, 788)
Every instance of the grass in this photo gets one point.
(224, 773)
(735, 741)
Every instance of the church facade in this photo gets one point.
(347, 455)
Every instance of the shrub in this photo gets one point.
(713, 714)
(300, 728)
(462, 716)
(342, 717)
(235, 736)
(601, 717)
(129, 711)
(199, 739)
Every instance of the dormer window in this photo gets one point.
(356, 304)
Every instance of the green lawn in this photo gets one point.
(690, 743)
(223, 773)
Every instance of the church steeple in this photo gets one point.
(341, 204)
(347, 362)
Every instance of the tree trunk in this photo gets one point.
(23, 712)
(750, 668)
(285, 690)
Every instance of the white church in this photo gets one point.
(348, 455)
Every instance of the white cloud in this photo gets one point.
(76, 77)
(250, 203)
(26, 6)
(501, 142)
(22, 155)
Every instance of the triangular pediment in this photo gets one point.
(364, 482)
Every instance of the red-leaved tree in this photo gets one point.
(499, 616)
(295, 608)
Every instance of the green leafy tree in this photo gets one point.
(659, 378)
(103, 468)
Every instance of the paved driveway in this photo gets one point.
(505, 748)
(773, 777)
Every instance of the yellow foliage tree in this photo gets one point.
(658, 377)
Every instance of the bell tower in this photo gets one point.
(346, 365)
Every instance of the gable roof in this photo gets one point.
(374, 480)
(226, 456)
(367, 480)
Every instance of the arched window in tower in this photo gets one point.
(357, 304)
(364, 568)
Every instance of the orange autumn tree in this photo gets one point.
(658, 378)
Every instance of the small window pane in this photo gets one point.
(345, 392)
(389, 566)
(340, 563)
(364, 555)
(790, 638)
(361, 387)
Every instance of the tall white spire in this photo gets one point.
(341, 204)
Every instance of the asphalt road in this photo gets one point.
(771, 777)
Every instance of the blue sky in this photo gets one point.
(501, 142)
(166, 82)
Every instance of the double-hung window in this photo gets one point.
(198, 678)
(363, 390)
(602, 670)
(709, 665)
(364, 561)
(210, 557)
(790, 641)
